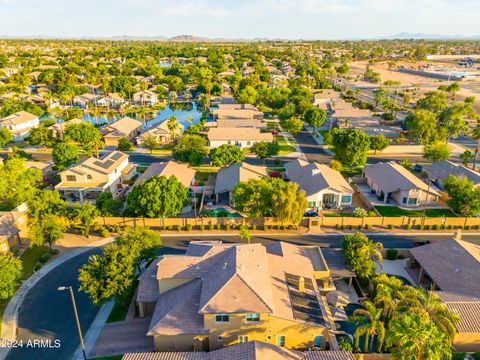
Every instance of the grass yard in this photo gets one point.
(283, 147)
(30, 258)
(396, 211)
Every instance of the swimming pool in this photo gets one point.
(222, 212)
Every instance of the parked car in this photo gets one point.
(310, 214)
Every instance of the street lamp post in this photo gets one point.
(63, 288)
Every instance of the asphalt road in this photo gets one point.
(47, 313)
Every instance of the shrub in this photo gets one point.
(338, 226)
(254, 227)
(435, 227)
(372, 214)
(390, 226)
(202, 227)
(179, 227)
(392, 254)
(428, 227)
(449, 227)
(189, 227)
(360, 227)
(283, 227)
(475, 227)
(210, 226)
(366, 226)
(467, 227)
(460, 227)
(37, 267)
(266, 227)
(45, 257)
(360, 212)
(227, 227)
(420, 227)
(475, 356)
(408, 226)
(349, 227)
(218, 226)
(104, 233)
(54, 251)
(458, 355)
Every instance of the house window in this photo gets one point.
(229, 142)
(346, 199)
(253, 317)
(89, 177)
(317, 341)
(268, 337)
(220, 339)
(280, 340)
(71, 178)
(242, 339)
(412, 201)
(222, 318)
(311, 204)
(249, 143)
(404, 200)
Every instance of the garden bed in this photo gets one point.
(388, 211)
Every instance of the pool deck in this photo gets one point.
(394, 267)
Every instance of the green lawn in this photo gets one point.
(120, 309)
(283, 147)
(396, 211)
(30, 257)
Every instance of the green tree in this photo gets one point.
(47, 229)
(173, 125)
(436, 151)
(10, 275)
(108, 275)
(41, 135)
(156, 197)
(248, 95)
(342, 69)
(245, 233)
(5, 136)
(315, 117)
(46, 202)
(142, 243)
(226, 155)
(463, 198)
(85, 214)
(453, 119)
(422, 126)
(414, 337)
(65, 154)
(87, 135)
(150, 142)
(292, 125)
(107, 205)
(191, 149)
(289, 204)
(350, 147)
(264, 150)
(124, 144)
(360, 253)
(476, 136)
(433, 101)
(378, 143)
(392, 296)
(465, 157)
(369, 324)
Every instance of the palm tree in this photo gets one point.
(95, 113)
(428, 305)
(173, 125)
(476, 136)
(369, 324)
(391, 295)
(413, 337)
(371, 250)
(244, 233)
(465, 157)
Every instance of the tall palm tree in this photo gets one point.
(371, 250)
(391, 295)
(465, 157)
(173, 125)
(369, 324)
(476, 136)
(413, 337)
(95, 113)
(428, 305)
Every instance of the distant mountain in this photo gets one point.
(420, 36)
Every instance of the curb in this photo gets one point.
(10, 316)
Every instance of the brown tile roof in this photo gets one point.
(18, 118)
(468, 308)
(252, 350)
(244, 133)
(229, 177)
(182, 172)
(454, 265)
(122, 127)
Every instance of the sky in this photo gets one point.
(285, 19)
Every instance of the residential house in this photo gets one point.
(237, 115)
(90, 177)
(220, 294)
(20, 124)
(45, 168)
(251, 350)
(161, 133)
(326, 96)
(324, 186)
(113, 100)
(184, 174)
(229, 177)
(84, 100)
(9, 233)
(243, 137)
(145, 97)
(58, 129)
(440, 170)
(451, 268)
(126, 127)
(391, 180)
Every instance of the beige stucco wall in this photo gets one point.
(179, 343)
(467, 342)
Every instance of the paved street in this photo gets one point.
(47, 313)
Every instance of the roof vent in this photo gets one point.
(456, 270)
(197, 267)
(225, 265)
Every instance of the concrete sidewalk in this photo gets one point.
(10, 316)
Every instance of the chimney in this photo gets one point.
(301, 284)
(458, 235)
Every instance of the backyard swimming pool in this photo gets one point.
(221, 212)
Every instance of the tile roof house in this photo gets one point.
(145, 97)
(58, 129)
(324, 186)
(85, 99)
(183, 173)
(453, 269)
(241, 137)
(229, 177)
(440, 170)
(113, 100)
(161, 133)
(251, 350)
(221, 294)
(9, 233)
(126, 127)
(20, 124)
(237, 115)
(391, 180)
(326, 96)
(85, 180)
